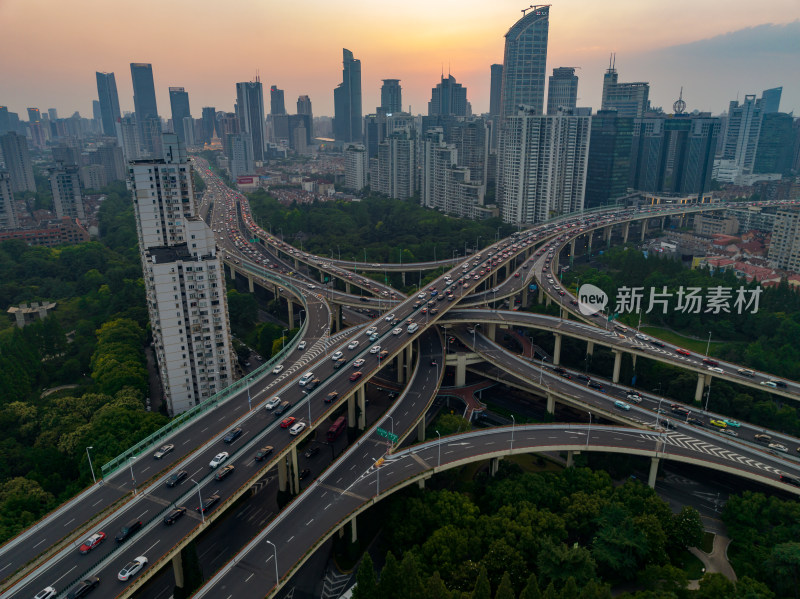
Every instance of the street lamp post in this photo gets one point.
(133, 478)
(391, 420)
(276, 562)
(90, 463)
(708, 345)
(200, 497)
(283, 338)
(440, 449)
(249, 400)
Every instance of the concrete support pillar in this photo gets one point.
(663, 222)
(290, 310)
(625, 230)
(353, 530)
(494, 465)
(547, 300)
(570, 459)
(524, 296)
(322, 276)
(351, 410)
(461, 369)
(494, 279)
(251, 284)
(557, 350)
(564, 312)
(589, 244)
(296, 264)
(295, 471)
(701, 383)
(409, 360)
(644, 229)
(403, 276)
(617, 365)
(177, 568)
(400, 370)
(282, 478)
(421, 483)
(491, 330)
(551, 404)
(361, 394)
(607, 233)
(421, 430)
(572, 251)
(347, 287)
(540, 297)
(589, 348)
(651, 478)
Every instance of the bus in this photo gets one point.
(336, 428)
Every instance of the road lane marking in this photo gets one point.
(249, 577)
(151, 546)
(70, 522)
(65, 573)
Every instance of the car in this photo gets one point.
(375, 349)
(778, 383)
(718, 423)
(566, 375)
(634, 398)
(371, 331)
(383, 354)
(397, 331)
(695, 421)
(297, 428)
(277, 369)
(746, 372)
(218, 459)
(374, 337)
(337, 355)
(92, 542)
(47, 593)
(127, 531)
(730, 422)
(163, 450)
(667, 424)
(356, 375)
(301, 345)
(710, 362)
(274, 401)
(784, 478)
(768, 384)
(642, 337)
(359, 363)
(224, 471)
(729, 432)
(263, 453)
(331, 397)
(715, 369)
(208, 503)
(778, 447)
(132, 568)
(516, 275)
(311, 385)
(622, 405)
(657, 343)
(764, 439)
(84, 587)
(352, 345)
(176, 478)
(304, 473)
(683, 352)
(339, 363)
(174, 515)
(595, 385)
(233, 435)
(287, 422)
(422, 296)
(389, 318)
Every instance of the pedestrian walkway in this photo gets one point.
(716, 561)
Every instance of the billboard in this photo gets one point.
(245, 180)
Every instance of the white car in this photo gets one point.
(375, 349)
(164, 450)
(421, 295)
(47, 593)
(371, 331)
(297, 428)
(359, 363)
(277, 369)
(397, 331)
(301, 345)
(642, 337)
(132, 568)
(352, 345)
(218, 459)
(389, 318)
(312, 286)
(272, 403)
(337, 356)
(716, 369)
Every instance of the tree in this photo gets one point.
(687, 528)
(391, 579)
(435, 588)
(531, 590)
(783, 567)
(448, 424)
(505, 589)
(482, 590)
(557, 563)
(747, 588)
(366, 581)
(714, 585)
(570, 589)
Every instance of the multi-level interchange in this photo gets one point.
(213, 453)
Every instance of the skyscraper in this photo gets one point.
(307, 115)
(524, 62)
(495, 89)
(775, 144)
(541, 165)
(18, 162)
(355, 166)
(741, 135)
(276, 103)
(347, 101)
(65, 184)
(609, 164)
(33, 115)
(393, 172)
(250, 110)
(5, 124)
(391, 96)
(184, 280)
(771, 100)
(52, 114)
(562, 91)
(448, 98)
(209, 116)
(628, 99)
(144, 91)
(8, 215)
(179, 104)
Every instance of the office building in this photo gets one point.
(495, 88)
(562, 91)
(609, 158)
(109, 102)
(5, 124)
(18, 162)
(144, 91)
(52, 114)
(8, 214)
(347, 101)
(391, 96)
(449, 98)
(97, 115)
(775, 144)
(49, 233)
(542, 160)
(276, 103)
(184, 280)
(784, 249)
(33, 115)
(741, 135)
(673, 154)
(250, 110)
(393, 171)
(179, 105)
(128, 137)
(524, 62)
(65, 184)
(628, 99)
(356, 166)
(771, 100)
(305, 111)
(209, 116)
(239, 150)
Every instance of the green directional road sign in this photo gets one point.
(386, 435)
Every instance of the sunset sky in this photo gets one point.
(715, 49)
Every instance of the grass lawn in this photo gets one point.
(694, 345)
(689, 564)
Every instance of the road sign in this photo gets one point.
(386, 435)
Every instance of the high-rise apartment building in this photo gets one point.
(356, 165)
(179, 104)
(542, 164)
(347, 101)
(8, 215)
(276, 101)
(784, 249)
(609, 164)
(562, 91)
(495, 89)
(239, 150)
(393, 172)
(742, 132)
(18, 162)
(470, 137)
(524, 62)
(628, 99)
(128, 137)
(65, 184)
(184, 280)
(109, 102)
(209, 116)
(391, 96)
(250, 110)
(449, 98)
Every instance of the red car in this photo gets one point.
(683, 352)
(354, 377)
(287, 422)
(92, 542)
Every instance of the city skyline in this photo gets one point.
(416, 49)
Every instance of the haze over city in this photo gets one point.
(49, 51)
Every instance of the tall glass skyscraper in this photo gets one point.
(250, 110)
(179, 104)
(391, 96)
(524, 62)
(109, 102)
(347, 100)
(144, 91)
